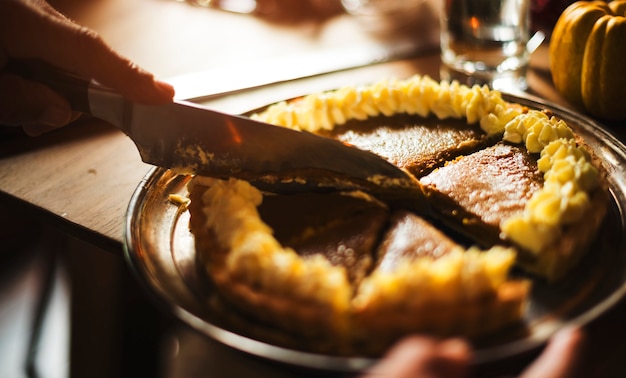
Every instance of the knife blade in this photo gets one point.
(194, 139)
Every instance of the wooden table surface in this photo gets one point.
(81, 178)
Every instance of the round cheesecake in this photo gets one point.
(347, 273)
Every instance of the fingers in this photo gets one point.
(561, 358)
(34, 106)
(109, 68)
(424, 357)
(75, 49)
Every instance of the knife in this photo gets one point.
(196, 140)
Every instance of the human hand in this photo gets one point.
(33, 30)
(423, 357)
(561, 358)
(418, 356)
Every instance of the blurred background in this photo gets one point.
(69, 306)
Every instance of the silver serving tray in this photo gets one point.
(160, 250)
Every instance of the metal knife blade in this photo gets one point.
(188, 136)
(195, 139)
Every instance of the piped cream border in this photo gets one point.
(568, 172)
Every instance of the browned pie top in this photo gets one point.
(493, 183)
(352, 232)
(343, 228)
(408, 237)
(417, 144)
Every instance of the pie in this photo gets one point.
(348, 273)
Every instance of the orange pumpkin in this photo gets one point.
(588, 57)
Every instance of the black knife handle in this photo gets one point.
(74, 88)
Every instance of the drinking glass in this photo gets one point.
(486, 42)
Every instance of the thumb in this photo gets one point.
(561, 357)
(418, 356)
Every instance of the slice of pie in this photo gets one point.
(344, 273)
(498, 194)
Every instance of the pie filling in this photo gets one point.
(346, 273)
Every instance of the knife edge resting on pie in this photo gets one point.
(504, 187)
